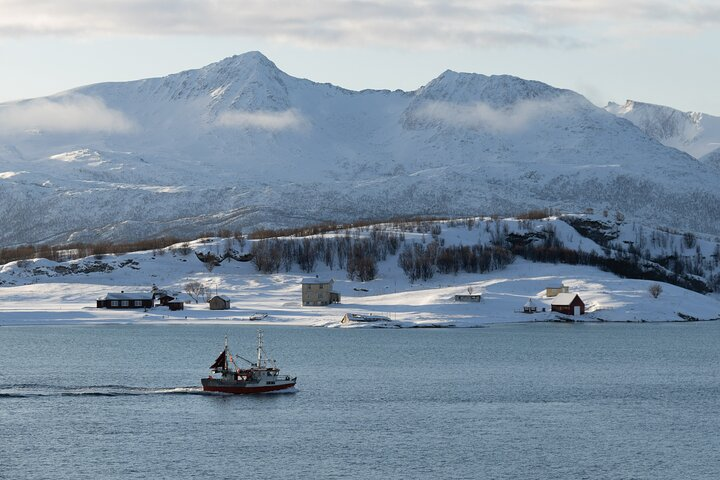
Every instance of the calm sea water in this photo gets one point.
(520, 401)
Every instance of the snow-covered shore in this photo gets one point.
(71, 299)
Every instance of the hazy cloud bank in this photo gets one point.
(263, 120)
(519, 116)
(66, 114)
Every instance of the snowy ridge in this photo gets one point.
(240, 144)
(695, 133)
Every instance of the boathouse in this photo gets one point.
(126, 300)
(568, 304)
(316, 291)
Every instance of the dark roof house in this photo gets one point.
(126, 300)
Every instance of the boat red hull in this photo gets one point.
(246, 390)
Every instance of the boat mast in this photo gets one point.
(259, 347)
(226, 355)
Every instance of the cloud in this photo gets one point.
(65, 114)
(263, 120)
(519, 116)
(416, 23)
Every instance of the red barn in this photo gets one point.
(568, 304)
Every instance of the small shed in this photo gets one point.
(555, 291)
(568, 304)
(529, 307)
(126, 300)
(176, 305)
(468, 297)
(219, 303)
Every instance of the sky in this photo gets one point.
(657, 51)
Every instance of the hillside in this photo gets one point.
(241, 144)
(42, 291)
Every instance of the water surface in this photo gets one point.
(514, 401)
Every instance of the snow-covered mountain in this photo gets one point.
(239, 143)
(695, 133)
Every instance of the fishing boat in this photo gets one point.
(262, 375)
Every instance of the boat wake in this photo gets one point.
(38, 390)
(285, 390)
(29, 390)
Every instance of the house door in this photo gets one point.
(576, 310)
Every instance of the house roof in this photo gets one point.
(529, 303)
(315, 281)
(127, 296)
(225, 299)
(564, 299)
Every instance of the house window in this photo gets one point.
(113, 303)
(137, 303)
(320, 287)
(125, 303)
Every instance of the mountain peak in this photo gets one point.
(247, 59)
(246, 81)
(497, 91)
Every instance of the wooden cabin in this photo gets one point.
(568, 304)
(219, 303)
(164, 299)
(316, 291)
(126, 300)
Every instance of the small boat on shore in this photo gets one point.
(262, 376)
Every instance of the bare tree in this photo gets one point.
(655, 290)
(195, 289)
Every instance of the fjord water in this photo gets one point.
(515, 401)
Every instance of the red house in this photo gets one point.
(568, 304)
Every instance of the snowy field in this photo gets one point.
(70, 299)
